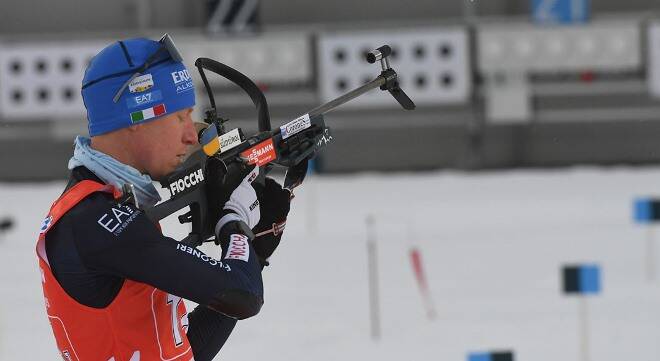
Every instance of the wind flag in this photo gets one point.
(583, 279)
(209, 140)
(646, 210)
(491, 356)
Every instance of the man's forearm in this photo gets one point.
(208, 332)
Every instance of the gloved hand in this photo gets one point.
(234, 238)
(275, 204)
(231, 196)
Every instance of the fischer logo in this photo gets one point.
(186, 182)
(238, 248)
(260, 154)
(230, 140)
(295, 126)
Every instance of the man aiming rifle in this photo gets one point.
(113, 283)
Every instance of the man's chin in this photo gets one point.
(171, 169)
(162, 175)
(156, 177)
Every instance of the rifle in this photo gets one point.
(290, 146)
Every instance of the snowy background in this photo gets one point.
(492, 244)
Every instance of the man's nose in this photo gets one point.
(190, 133)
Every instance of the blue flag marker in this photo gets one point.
(491, 356)
(590, 279)
(583, 279)
(646, 210)
(560, 11)
(479, 357)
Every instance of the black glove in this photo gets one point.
(275, 204)
(230, 193)
(229, 229)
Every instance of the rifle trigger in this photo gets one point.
(185, 218)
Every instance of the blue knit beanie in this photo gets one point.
(163, 88)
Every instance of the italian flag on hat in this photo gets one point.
(149, 113)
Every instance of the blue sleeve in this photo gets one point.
(207, 332)
(120, 240)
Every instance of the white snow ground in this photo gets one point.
(492, 245)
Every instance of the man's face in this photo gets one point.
(160, 146)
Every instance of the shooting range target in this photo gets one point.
(524, 47)
(281, 58)
(42, 80)
(432, 65)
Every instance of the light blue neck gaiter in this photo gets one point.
(111, 171)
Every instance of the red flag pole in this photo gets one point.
(418, 269)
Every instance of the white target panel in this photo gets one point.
(522, 47)
(432, 65)
(653, 39)
(266, 59)
(43, 80)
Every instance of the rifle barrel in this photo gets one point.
(327, 107)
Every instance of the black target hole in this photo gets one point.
(17, 96)
(340, 55)
(16, 67)
(43, 95)
(446, 80)
(394, 55)
(445, 50)
(66, 65)
(342, 84)
(68, 94)
(420, 81)
(419, 52)
(41, 66)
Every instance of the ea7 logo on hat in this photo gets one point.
(141, 83)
